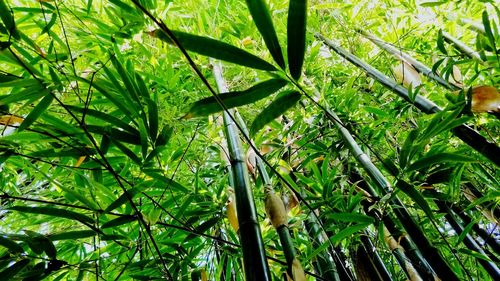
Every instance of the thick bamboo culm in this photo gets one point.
(441, 267)
(460, 46)
(375, 258)
(254, 257)
(420, 67)
(283, 231)
(472, 25)
(463, 132)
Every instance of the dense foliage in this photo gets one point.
(120, 160)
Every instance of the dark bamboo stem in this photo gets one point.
(377, 262)
(254, 257)
(464, 132)
(469, 241)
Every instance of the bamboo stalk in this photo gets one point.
(324, 264)
(441, 267)
(254, 257)
(399, 253)
(470, 242)
(282, 230)
(464, 49)
(377, 262)
(464, 132)
(420, 67)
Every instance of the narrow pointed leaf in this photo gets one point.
(215, 49)
(444, 157)
(118, 221)
(71, 235)
(55, 212)
(12, 246)
(43, 242)
(8, 19)
(296, 32)
(257, 92)
(262, 18)
(416, 196)
(274, 110)
(37, 111)
(105, 117)
(10, 272)
(122, 199)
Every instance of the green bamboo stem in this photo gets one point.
(398, 252)
(464, 49)
(441, 267)
(420, 67)
(469, 241)
(464, 132)
(324, 264)
(254, 257)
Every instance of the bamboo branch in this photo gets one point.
(464, 49)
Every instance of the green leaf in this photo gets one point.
(39, 240)
(351, 217)
(274, 110)
(71, 235)
(487, 29)
(10, 272)
(122, 199)
(464, 233)
(164, 136)
(416, 196)
(118, 221)
(8, 19)
(55, 212)
(346, 232)
(115, 134)
(296, 33)
(37, 111)
(105, 117)
(440, 42)
(433, 4)
(262, 18)
(215, 49)
(443, 157)
(257, 92)
(12, 246)
(153, 119)
(129, 153)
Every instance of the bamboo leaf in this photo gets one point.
(215, 49)
(55, 212)
(105, 117)
(257, 92)
(416, 196)
(8, 19)
(115, 133)
(118, 221)
(296, 32)
(262, 18)
(351, 217)
(443, 157)
(13, 270)
(45, 245)
(12, 246)
(348, 231)
(440, 42)
(37, 111)
(71, 235)
(153, 119)
(487, 29)
(122, 199)
(127, 152)
(274, 110)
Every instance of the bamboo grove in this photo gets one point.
(249, 140)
